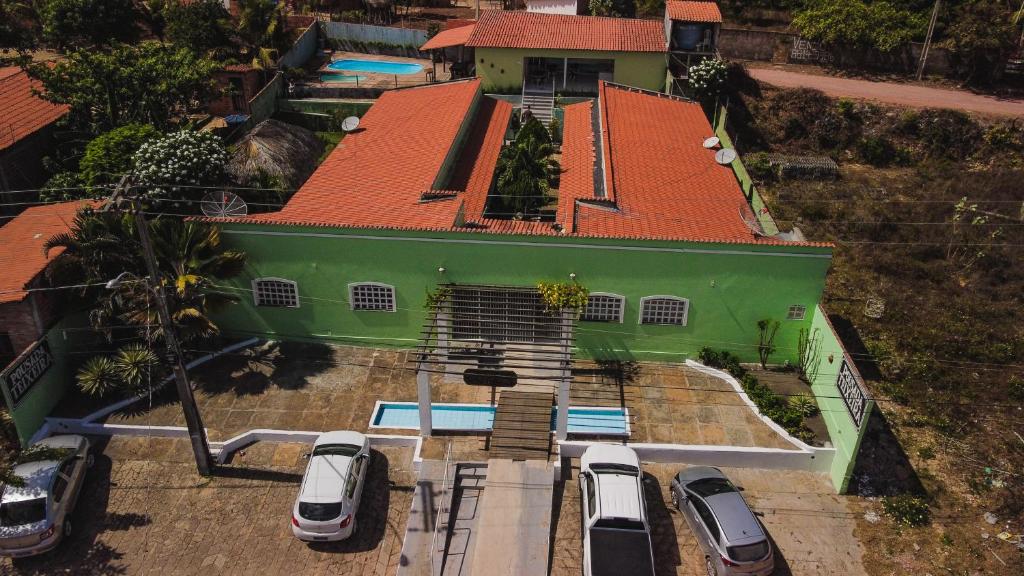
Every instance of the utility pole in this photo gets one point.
(196, 431)
(928, 40)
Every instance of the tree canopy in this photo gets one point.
(148, 84)
(81, 23)
(202, 25)
(883, 26)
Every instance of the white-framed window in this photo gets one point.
(796, 312)
(371, 296)
(671, 310)
(275, 292)
(604, 307)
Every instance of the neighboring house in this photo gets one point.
(25, 316)
(565, 53)
(237, 84)
(26, 133)
(692, 29)
(557, 6)
(645, 219)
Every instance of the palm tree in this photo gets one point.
(261, 24)
(524, 170)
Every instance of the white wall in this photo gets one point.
(553, 6)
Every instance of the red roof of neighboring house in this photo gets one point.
(519, 29)
(424, 159)
(24, 113)
(22, 238)
(686, 11)
(450, 37)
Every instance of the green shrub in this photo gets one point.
(804, 405)
(1003, 136)
(109, 155)
(760, 168)
(64, 186)
(555, 129)
(722, 359)
(948, 134)
(907, 510)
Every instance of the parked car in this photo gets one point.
(616, 534)
(733, 541)
(332, 486)
(36, 516)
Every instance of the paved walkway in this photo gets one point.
(892, 93)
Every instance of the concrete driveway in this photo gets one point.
(811, 526)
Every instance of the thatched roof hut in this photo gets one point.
(277, 149)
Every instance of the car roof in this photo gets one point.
(341, 437)
(609, 454)
(37, 475)
(72, 441)
(734, 516)
(694, 473)
(621, 496)
(325, 478)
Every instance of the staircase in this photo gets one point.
(541, 103)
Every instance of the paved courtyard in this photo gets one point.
(144, 510)
(320, 387)
(811, 526)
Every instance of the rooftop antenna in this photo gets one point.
(748, 218)
(349, 124)
(223, 204)
(711, 142)
(725, 156)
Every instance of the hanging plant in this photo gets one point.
(558, 296)
(438, 297)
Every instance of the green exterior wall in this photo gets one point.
(502, 68)
(729, 286)
(827, 356)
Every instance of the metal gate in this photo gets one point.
(500, 314)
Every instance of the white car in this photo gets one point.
(616, 533)
(332, 486)
(36, 516)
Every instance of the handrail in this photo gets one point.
(440, 508)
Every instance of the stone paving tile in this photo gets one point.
(144, 510)
(811, 526)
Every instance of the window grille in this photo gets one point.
(796, 312)
(275, 292)
(372, 296)
(603, 308)
(664, 310)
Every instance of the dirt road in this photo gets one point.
(892, 93)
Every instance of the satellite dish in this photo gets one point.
(223, 204)
(748, 218)
(349, 124)
(711, 142)
(725, 156)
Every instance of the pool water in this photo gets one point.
(378, 66)
(340, 78)
(597, 421)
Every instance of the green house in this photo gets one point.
(645, 219)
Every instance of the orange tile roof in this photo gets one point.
(475, 170)
(686, 11)
(24, 113)
(519, 29)
(450, 37)
(22, 238)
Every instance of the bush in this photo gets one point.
(109, 155)
(724, 360)
(555, 129)
(804, 405)
(63, 186)
(707, 77)
(177, 163)
(948, 134)
(760, 168)
(880, 151)
(1003, 136)
(907, 510)
(804, 115)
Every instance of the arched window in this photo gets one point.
(671, 310)
(275, 292)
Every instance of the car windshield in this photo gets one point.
(749, 553)
(710, 486)
(319, 511)
(619, 524)
(22, 512)
(336, 450)
(615, 469)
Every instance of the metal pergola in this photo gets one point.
(493, 335)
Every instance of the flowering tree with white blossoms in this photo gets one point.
(173, 165)
(708, 77)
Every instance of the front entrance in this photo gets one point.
(566, 75)
(500, 314)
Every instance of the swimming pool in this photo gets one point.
(334, 77)
(378, 66)
(480, 418)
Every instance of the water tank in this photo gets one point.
(687, 36)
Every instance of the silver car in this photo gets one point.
(733, 541)
(35, 517)
(332, 487)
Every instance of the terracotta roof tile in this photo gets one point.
(686, 11)
(24, 113)
(450, 37)
(22, 239)
(519, 29)
(475, 170)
